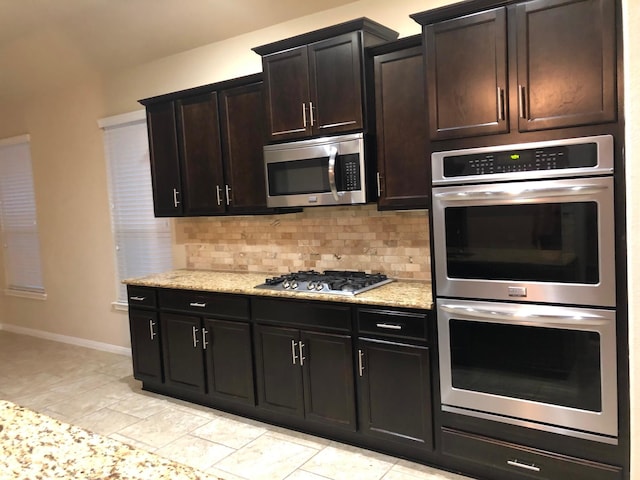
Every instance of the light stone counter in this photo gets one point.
(400, 293)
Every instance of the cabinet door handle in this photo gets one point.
(218, 195)
(304, 115)
(194, 330)
(389, 326)
(311, 113)
(500, 104)
(204, 338)
(522, 101)
(526, 466)
(196, 304)
(138, 299)
(227, 192)
(176, 202)
(360, 362)
(302, 357)
(294, 346)
(152, 332)
(378, 177)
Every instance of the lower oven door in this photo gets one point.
(545, 367)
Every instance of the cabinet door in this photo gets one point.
(329, 394)
(467, 75)
(278, 372)
(199, 140)
(182, 352)
(566, 63)
(401, 124)
(165, 160)
(243, 135)
(395, 393)
(145, 345)
(286, 77)
(335, 71)
(229, 360)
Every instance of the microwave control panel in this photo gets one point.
(348, 173)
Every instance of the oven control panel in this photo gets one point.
(521, 160)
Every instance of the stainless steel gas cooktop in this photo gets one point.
(335, 282)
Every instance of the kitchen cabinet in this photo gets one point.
(144, 329)
(508, 461)
(401, 125)
(394, 377)
(207, 344)
(561, 71)
(315, 83)
(303, 372)
(202, 144)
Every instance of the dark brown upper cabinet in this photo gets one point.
(314, 83)
(535, 65)
(401, 125)
(206, 149)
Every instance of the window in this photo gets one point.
(142, 242)
(20, 242)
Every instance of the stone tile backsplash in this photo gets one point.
(324, 238)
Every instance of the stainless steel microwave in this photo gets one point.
(319, 171)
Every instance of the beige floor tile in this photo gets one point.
(342, 462)
(106, 421)
(232, 433)
(302, 475)
(297, 437)
(216, 472)
(195, 452)
(82, 385)
(141, 405)
(414, 471)
(163, 428)
(41, 400)
(132, 442)
(267, 458)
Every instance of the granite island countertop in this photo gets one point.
(399, 293)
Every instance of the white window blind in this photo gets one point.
(142, 242)
(21, 245)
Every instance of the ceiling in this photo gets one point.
(45, 43)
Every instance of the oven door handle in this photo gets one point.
(524, 316)
(332, 172)
(517, 193)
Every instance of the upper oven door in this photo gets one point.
(321, 171)
(542, 241)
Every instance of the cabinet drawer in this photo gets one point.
(205, 303)
(141, 296)
(303, 314)
(393, 323)
(512, 459)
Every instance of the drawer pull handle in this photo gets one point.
(196, 304)
(526, 466)
(138, 299)
(389, 326)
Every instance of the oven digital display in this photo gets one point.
(549, 158)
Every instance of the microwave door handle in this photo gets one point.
(515, 193)
(333, 152)
(530, 318)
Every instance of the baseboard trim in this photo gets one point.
(81, 342)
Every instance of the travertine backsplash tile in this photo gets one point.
(324, 238)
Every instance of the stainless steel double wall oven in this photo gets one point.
(525, 284)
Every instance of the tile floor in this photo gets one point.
(96, 390)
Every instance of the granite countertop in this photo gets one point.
(35, 446)
(400, 293)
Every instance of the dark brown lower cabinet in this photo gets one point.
(145, 345)
(183, 352)
(307, 374)
(229, 361)
(508, 461)
(395, 392)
